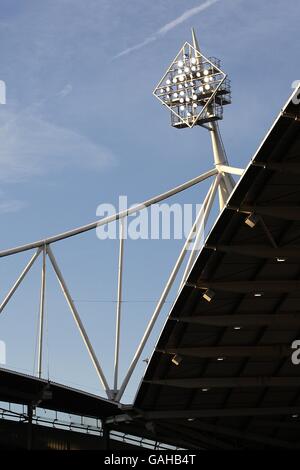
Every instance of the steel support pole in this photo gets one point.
(79, 323)
(119, 306)
(111, 218)
(41, 315)
(227, 185)
(19, 280)
(158, 309)
(29, 426)
(208, 202)
(231, 170)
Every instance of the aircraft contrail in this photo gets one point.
(168, 27)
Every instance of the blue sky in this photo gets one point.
(81, 127)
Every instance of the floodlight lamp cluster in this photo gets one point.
(194, 88)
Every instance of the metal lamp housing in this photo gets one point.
(194, 88)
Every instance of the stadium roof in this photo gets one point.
(25, 389)
(235, 385)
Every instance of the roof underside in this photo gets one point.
(25, 389)
(251, 398)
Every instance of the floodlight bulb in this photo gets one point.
(186, 69)
(182, 108)
(195, 105)
(175, 95)
(187, 99)
(210, 79)
(198, 74)
(207, 87)
(194, 68)
(174, 80)
(180, 86)
(182, 93)
(201, 88)
(206, 79)
(179, 70)
(208, 295)
(162, 90)
(195, 97)
(181, 78)
(168, 82)
(180, 63)
(168, 88)
(206, 72)
(193, 60)
(181, 100)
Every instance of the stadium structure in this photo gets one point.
(221, 375)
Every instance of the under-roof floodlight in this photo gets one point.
(208, 295)
(176, 359)
(252, 220)
(194, 71)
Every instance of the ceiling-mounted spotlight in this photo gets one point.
(208, 295)
(176, 359)
(251, 220)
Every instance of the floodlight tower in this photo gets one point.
(195, 90)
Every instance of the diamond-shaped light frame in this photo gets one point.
(194, 88)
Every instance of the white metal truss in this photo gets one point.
(44, 246)
(222, 184)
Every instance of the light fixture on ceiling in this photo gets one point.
(251, 220)
(208, 295)
(176, 359)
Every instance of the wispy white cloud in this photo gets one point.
(136, 47)
(31, 146)
(13, 205)
(10, 205)
(168, 27)
(66, 90)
